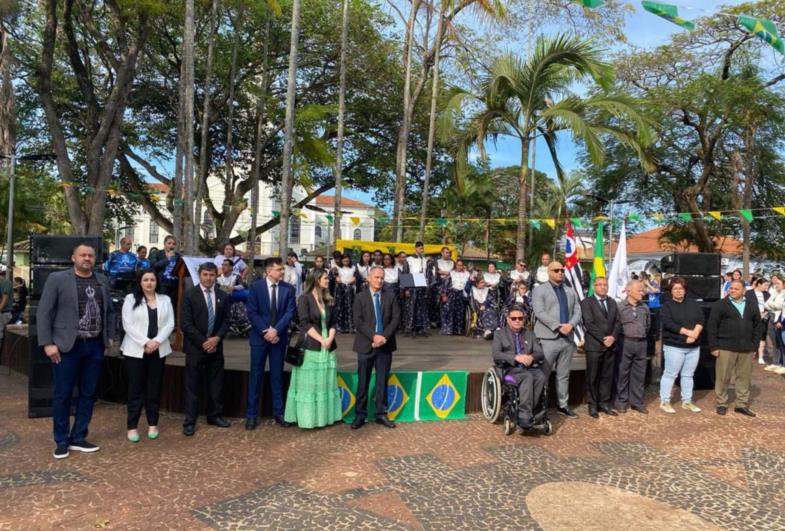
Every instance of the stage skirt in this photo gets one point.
(454, 313)
(344, 300)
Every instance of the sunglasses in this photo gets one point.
(516, 318)
(558, 270)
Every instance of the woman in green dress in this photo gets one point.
(313, 400)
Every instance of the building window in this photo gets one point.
(153, 236)
(318, 232)
(358, 234)
(294, 230)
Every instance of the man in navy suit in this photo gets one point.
(271, 306)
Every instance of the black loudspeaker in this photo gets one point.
(38, 276)
(688, 264)
(708, 288)
(46, 249)
(40, 386)
(705, 371)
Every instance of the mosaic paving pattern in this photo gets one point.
(652, 472)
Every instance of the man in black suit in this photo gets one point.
(204, 322)
(603, 328)
(376, 318)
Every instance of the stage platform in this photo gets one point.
(434, 353)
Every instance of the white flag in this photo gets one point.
(619, 275)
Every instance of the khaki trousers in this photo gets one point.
(738, 365)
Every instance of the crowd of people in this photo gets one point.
(533, 319)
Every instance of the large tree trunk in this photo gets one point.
(229, 178)
(403, 132)
(341, 118)
(523, 177)
(432, 120)
(189, 228)
(204, 169)
(287, 179)
(7, 119)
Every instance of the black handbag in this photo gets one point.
(295, 353)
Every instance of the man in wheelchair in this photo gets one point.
(514, 350)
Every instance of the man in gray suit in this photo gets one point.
(557, 312)
(75, 323)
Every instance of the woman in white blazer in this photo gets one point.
(148, 321)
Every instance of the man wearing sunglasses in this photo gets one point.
(557, 312)
(515, 347)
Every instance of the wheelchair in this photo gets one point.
(500, 402)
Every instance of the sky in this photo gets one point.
(643, 30)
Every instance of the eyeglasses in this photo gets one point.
(558, 270)
(516, 318)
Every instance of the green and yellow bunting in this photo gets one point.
(746, 214)
(577, 223)
(764, 29)
(685, 216)
(668, 12)
(535, 223)
(716, 214)
(550, 222)
(779, 210)
(590, 4)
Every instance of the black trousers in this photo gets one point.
(599, 377)
(530, 386)
(381, 361)
(145, 379)
(632, 373)
(199, 367)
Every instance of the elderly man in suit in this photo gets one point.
(515, 349)
(271, 306)
(603, 328)
(76, 324)
(204, 320)
(376, 318)
(557, 312)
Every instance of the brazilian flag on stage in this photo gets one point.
(442, 395)
(410, 395)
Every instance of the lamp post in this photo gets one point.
(11, 184)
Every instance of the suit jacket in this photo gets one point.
(365, 320)
(193, 319)
(258, 307)
(597, 324)
(504, 348)
(57, 318)
(310, 317)
(545, 306)
(136, 321)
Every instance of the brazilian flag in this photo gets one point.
(668, 12)
(764, 29)
(442, 395)
(401, 393)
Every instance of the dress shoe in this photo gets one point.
(219, 422)
(744, 411)
(358, 423)
(721, 410)
(384, 421)
(250, 424)
(593, 414)
(640, 409)
(609, 411)
(282, 423)
(188, 430)
(567, 412)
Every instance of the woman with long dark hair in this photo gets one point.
(363, 268)
(148, 321)
(313, 399)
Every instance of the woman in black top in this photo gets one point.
(682, 323)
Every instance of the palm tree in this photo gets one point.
(528, 99)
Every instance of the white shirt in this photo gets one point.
(391, 275)
(417, 264)
(542, 275)
(227, 282)
(345, 274)
(445, 266)
(480, 294)
(294, 275)
(459, 279)
(239, 264)
(516, 275)
(364, 270)
(491, 279)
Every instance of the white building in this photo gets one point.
(310, 229)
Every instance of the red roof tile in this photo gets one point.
(329, 200)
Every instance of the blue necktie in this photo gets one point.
(210, 313)
(377, 303)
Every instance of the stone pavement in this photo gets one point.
(683, 471)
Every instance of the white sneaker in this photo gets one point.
(779, 370)
(770, 368)
(689, 406)
(761, 361)
(667, 408)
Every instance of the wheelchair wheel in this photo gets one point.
(509, 426)
(491, 395)
(548, 428)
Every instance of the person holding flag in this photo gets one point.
(573, 276)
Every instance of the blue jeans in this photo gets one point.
(259, 356)
(778, 356)
(680, 362)
(80, 366)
